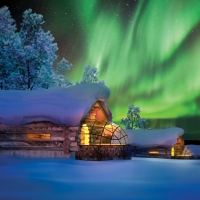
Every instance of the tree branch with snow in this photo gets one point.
(133, 120)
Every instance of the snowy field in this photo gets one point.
(68, 179)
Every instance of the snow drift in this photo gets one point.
(62, 179)
(58, 105)
(159, 137)
(195, 150)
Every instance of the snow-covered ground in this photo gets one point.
(62, 179)
(195, 150)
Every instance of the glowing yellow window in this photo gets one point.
(172, 151)
(84, 135)
(38, 136)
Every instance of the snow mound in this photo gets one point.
(195, 150)
(58, 105)
(62, 179)
(159, 137)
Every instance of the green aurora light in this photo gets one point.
(152, 62)
(151, 59)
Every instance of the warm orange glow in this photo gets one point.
(111, 144)
(38, 136)
(84, 135)
(172, 151)
(154, 152)
(101, 133)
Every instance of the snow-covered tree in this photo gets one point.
(38, 50)
(63, 66)
(133, 120)
(59, 74)
(8, 45)
(7, 23)
(27, 57)
(141, 123)
(90, 75)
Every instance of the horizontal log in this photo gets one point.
(72, 138)
(35, 153)
(73, 144)
(73, 134)
(71, 129)
(31, 131)
(73, 149)
(24, 136)
(31, 144)
(32, 148)
(29, 141)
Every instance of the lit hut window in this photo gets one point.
(154, 152)
(179, 150)
(38, 136)
(107, 133)
(172, 151)
(84, 135)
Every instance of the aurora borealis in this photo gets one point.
(147, 52)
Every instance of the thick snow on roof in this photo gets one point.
(159, 137)
(59, 105)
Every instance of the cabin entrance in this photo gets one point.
(179, 150)
(102, 133)
(101, 139)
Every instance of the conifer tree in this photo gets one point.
(27, 57)
(8, 44)
(133, 120)
(90, 75)
(38, 49)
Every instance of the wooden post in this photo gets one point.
(66, 140)
(73, 139)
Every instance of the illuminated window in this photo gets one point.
(154, 152)
(179, 150)
(84, 135)
(172, 151)
(38, 136)
(107, 133)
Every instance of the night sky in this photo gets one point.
(147, 52)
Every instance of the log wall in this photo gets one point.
(52, 140)
(73, 139)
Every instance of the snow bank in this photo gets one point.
(159, 137)
(195, 150)
(59, 105)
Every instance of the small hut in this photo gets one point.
(180, 150)
(156, 143)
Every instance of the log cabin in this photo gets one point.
(59, 121)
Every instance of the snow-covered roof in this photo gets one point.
(159, 137)
(58, 105)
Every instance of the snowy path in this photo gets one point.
(66, 179)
